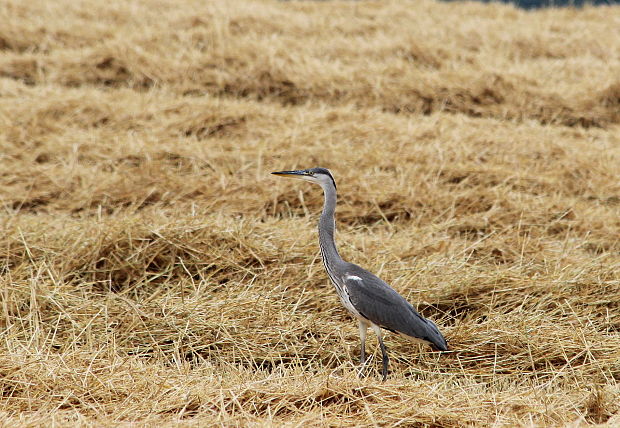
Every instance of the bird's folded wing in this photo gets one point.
(382, 305)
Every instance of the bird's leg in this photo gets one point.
(384, 354)
(386, 360)
(363, 327)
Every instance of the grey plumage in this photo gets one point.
(378, 302)
(369, 299)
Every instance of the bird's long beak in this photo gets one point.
(300, 173)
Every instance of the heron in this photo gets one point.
(367, 298)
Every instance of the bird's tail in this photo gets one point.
(436, 339)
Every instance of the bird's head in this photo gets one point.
(321, 176)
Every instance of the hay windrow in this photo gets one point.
(154, 273)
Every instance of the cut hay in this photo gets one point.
(154, 273)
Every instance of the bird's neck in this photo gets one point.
(327, 226)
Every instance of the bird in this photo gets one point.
(367, 298)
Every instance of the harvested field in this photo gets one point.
(153, 273)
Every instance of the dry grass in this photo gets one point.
(153, 272)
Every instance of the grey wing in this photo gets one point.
(382, 305)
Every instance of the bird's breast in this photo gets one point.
(343, 294)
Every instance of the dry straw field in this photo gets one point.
(154, 273)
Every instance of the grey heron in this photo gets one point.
(369, 299)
